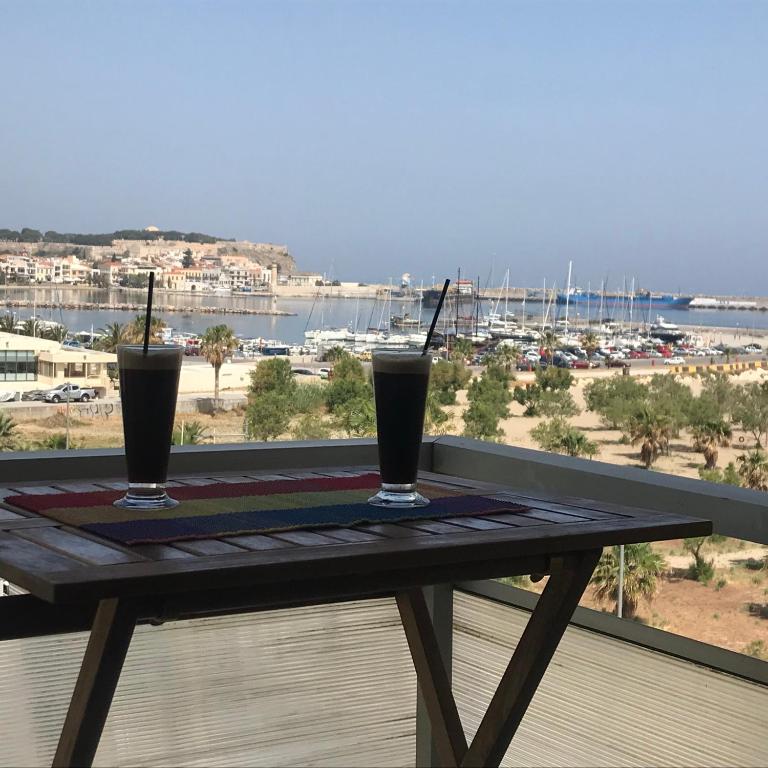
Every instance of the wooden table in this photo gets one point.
(78, 580)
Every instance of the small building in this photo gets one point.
(28, 363)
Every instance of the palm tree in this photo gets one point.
(8, 323)
(653, 430)
(218, 343)
(112, 334)
(590, 343)
(550, 341)
(753, 469)
(505, 356)
(8, 434)
(462, 349)
(54, 333)
(642, 569)
(192, 433)
(31, 328)
(134, 332)
(708, 436)
(576, 443)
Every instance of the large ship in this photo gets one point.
(640, 300)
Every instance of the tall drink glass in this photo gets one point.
(149, 384)
(400, 381)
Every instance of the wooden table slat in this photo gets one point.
(392, 530)
(349, 534)
(207, 547)
(75, 546)
(479, 523)
(161, 552)
(258, 542)
(305, 538)
(433, 526)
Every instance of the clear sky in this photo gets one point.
(375, 138)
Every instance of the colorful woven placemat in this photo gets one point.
(267, 506)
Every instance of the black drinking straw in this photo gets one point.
(434, 319)
(148, 320)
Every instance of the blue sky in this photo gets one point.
(375, 138)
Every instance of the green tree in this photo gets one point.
(267, 416)
(435, 418)
(7, 323)
(558, 436)
(642, 570)
(218, 343)
(751, 410)
(54, 333)
(8, 434)
(447, 378)
(489, 399)
(615, 399)
(31, 327)
(701, 569)
(272, 375)
(549, 395)
(671, 398)
(187, 261)
(753, 469)
(55, 442)
(348, 385)
(310, 426)
(652, 430)
(112, 335)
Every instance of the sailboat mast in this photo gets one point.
(525, 290)
(568, 295)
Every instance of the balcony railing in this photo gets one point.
(334, 685)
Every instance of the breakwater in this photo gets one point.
(91, 306)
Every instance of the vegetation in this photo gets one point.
(446, 379)
(701, 569)
(189, 433)
(218, 343)
(615, 399)
(462, 350)
(489, 399)
(8, 433)
(549, 395)
(642, 570)
(728, 476)
(270, 404)
(27, 235)
(113, 334)
(590, 343)
(753, 469)
(651, 428)
(558, 436)
(133, 333)
(751, 411)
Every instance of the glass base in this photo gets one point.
(146, 496)
(402, 496)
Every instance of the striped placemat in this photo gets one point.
(226, 509)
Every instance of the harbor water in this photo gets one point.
(314, 313)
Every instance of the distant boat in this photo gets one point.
(640, 300)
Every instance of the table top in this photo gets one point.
(61, 564)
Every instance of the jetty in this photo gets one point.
(140, 308)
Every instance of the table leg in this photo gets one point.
(537, 645)
(102, 663)
(434, 683)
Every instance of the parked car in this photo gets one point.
(325, 373)
(580, 364)
(617, 362)
(33, 394)
(676, 360)
(303, 372)
(71, 392)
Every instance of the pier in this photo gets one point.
(140, 308)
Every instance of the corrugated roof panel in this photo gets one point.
(605, 702)
(328, 685)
